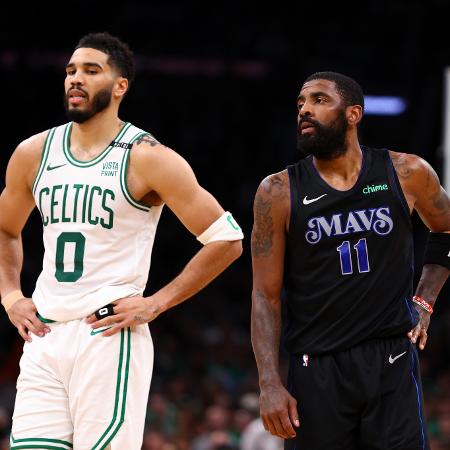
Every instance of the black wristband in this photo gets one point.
(105, 311)
(437, 250)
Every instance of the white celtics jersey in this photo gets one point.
(97, 238)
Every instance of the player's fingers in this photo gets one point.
(415, 334)
(91, 318)
(114, 329)
(270, 427)
(282, 426)
(37, 323)
(24, 333)
(293, 413)
(107, 321)
(286, 423)
(423, 339)
(31, 327)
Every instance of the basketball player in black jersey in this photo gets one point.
(333, 233)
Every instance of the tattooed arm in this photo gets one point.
(424, 193)
(271, 212)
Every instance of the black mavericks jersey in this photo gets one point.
(349, 258)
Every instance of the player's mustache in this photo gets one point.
(76, 88)
(310, 121)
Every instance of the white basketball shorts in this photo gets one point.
(78, 390)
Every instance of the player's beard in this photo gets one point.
(100, 101)
(327, 142)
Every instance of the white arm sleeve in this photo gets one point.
(224, 228)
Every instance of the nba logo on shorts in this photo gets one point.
(305, 360)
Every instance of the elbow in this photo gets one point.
(235, 249)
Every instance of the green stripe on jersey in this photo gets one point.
(123, 177)
(44, 157)
(99, 157)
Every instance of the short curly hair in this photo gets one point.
(348, 89)
(120, 56)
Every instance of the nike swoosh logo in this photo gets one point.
(99, 330)
(312, 200)
(393, 359)
(49, 167)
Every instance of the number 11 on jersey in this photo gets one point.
(345, 256)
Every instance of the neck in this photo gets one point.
(343, 171)
(97, 132)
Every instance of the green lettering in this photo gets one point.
(75, 202)
(83, 218)
(94, 189)
(45, 190)
(53, 203)
(110, 223)
(64, 218)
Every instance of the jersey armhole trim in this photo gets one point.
(44, 157)
(293, 187)
(396, 186)
(123, 178)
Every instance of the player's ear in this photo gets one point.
(354, 114)
(120, 87)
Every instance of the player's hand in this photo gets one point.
(128, 312)
(22, 315)
(278, 411)
(420, 330)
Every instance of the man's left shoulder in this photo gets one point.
(409, 165)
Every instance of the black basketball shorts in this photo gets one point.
(366, 398)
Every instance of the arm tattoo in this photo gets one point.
(263, 229)
(148, 139)
(272, 189)
(440, 201)
(401, 166)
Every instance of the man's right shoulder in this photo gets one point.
(275, 185)
(32, 146)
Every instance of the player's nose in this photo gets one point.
(76, 78)
(305, 110)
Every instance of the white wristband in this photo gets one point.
(11, 298)
(224, 228)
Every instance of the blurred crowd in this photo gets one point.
(204, 393)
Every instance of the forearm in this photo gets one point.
(206, 265)
(266, 332)
(11, 258)
(431, 281)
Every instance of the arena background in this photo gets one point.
(218, 83)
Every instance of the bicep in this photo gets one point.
(174, 181)
(432, 202)
(268, 244)
(16, 200)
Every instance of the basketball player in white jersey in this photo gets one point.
(99, 184)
